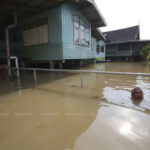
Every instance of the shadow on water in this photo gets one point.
(27, 80)
(46, 117)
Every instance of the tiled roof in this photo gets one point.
(122, 35)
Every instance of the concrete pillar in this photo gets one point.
(127, 59)
(81, 63)
(72, 63)
(60, 65)
(51, 62)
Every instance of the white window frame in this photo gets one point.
(85, 30)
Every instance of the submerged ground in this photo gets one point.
(57, 114)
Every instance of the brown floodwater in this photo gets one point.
(57, 114)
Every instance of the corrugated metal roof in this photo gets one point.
(26, 8)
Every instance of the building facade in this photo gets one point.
(124, 44)
(58, 34)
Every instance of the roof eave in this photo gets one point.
(101, 34)
(131, 41)
(99, 21)
(98, 11)
(98, 34)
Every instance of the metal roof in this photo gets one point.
(27, 8)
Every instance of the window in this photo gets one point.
(36, 35)
(100, 49)
(81, 31)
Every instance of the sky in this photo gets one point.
(125, 13)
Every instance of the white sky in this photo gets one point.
(125, 13)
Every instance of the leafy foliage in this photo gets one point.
(145, 52)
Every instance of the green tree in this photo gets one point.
(145, 52)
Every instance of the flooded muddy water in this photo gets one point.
(57, 114)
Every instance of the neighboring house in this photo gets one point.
(124, 44)
(63, 31)
(99, 45)
(100, 52)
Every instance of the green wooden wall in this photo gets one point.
(70, 50)
(52, 50)
(93, 47)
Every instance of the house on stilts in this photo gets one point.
(124, 44)
(55, 32)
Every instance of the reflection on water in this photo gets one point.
(119, 90)
(116, 128)
(58, 114)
